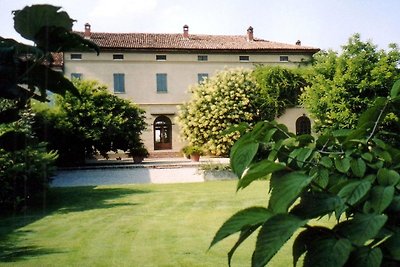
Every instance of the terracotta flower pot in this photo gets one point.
(195, 157)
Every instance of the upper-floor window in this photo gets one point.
(119, 83)
(76, 76)
(284, 58)
(201, 77)
(202, 58)
(76, 56)
(162, 86)
(244, 58)
(161, 57)
(118, 56)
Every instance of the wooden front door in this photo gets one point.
(162, 133)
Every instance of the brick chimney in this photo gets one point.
(185, 31)
(250, 36)
(87, 31)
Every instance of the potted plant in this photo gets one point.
(195, 152)
(186, 152)
(139, 153)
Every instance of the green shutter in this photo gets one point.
(119, 83)
(162, 82)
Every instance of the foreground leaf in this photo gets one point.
(286, 189)
(362, 228)
(242, 154)
(257, 171)
(304, 239)
(316, 204)
(380, 199)
(273, 235)
(328, 252)
(240, 221)
(44, 15)
(366, 257)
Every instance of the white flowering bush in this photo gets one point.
(227, 99)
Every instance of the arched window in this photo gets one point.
(162, 133)
(303, 125)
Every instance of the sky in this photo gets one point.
(325, 24)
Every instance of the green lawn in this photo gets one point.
(136, 225)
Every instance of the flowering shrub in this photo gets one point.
(237, 96)
(217, 104)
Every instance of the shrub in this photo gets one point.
(217, 104)
(236, 98)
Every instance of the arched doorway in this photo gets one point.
(162, 129)
(303, 125)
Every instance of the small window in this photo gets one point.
(161, 57)
(118, 56)
(303, 125)
(119, 83)
(162, 83)
(77, 76)
(202, 58)
(76, 56)
(284, 59)
(244, 58)
(201, 77)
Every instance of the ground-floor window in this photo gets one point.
(162, 133)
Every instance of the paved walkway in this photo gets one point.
(166, 170)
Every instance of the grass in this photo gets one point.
(136, 225)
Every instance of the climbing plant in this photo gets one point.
(350, 175)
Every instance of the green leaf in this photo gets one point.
(365, 257)
(316, 204)
(352, 192)
(286, 189)
(393, 245)
(342, 164)
(326, 162)
(362, 228)
(388, 177)
(241, 221)
(303, 155)
(257, 171)
(242, 154)
(394, 92)
(367, 156)
(328, 252)
(358, 167)
(273, 235)
(379, 199)
(304, 240)
(244, 234)
(322, 178)
(30, 20)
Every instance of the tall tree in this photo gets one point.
(343, 85)
(94, 122)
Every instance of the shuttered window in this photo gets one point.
(119, 83)
(162, 83)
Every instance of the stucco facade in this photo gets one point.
(145, 68)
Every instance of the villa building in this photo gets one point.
(156, 70)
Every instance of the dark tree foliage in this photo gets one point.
(25, 73)
(95, 122)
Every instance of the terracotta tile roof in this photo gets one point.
(151, 41)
